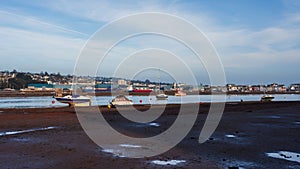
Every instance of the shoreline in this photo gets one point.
(52, 137)
(228, 106)
(42, 93)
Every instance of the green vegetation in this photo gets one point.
(21, 81)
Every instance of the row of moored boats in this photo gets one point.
(78, 100)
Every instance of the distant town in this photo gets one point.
(44, 83)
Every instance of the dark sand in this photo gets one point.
(259, 128)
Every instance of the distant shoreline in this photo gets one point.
(171, 93)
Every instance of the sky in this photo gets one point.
(256, 41)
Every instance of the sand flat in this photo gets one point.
(67, 146)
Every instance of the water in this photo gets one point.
(104, 100)
(6, 133)
(286, 155)
(47, 101)
(29, 102)
(169, 162)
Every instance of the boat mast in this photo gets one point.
(159, 79)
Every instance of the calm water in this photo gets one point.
(48, 101)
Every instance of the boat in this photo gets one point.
(161, 96)
(142, 90)
(180, 93)
(139, 90)
(120, 100)
(74, 100)
(267, 97)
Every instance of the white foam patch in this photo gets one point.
(297, 122)
(26, 131)
(230, 136)
(286, 155)
(154, 124)
(130, 146)
(169, 162)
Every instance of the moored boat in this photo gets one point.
(161, 96)
(267, 97)
(139, 89)
(74, 100)
(142, 90)
(120, 100)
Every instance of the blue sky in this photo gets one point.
(257, 41)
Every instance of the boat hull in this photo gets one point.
(120, 101)
(74, 101)
(161, 97)
(267, 98)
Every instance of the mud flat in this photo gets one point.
(250, 135)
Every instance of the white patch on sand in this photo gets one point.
(21, 139)
(154, 124)
(274, 117)
(26, 131)
(286, 155)
(130, 146)
(122, 150)
(240, 164)
(230, 135)
(114, 152)
(169, 162)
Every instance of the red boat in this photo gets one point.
(142, 90)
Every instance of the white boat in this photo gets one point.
(120, 100)
(267, 97)
(161, 96)
(74, 100)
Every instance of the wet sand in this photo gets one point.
(53, 138)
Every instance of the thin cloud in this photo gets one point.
(49, 25)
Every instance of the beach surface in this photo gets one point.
(249, 136)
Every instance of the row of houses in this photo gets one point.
(274, 87)
(4, 76)
(122, 86)
(46, 87)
